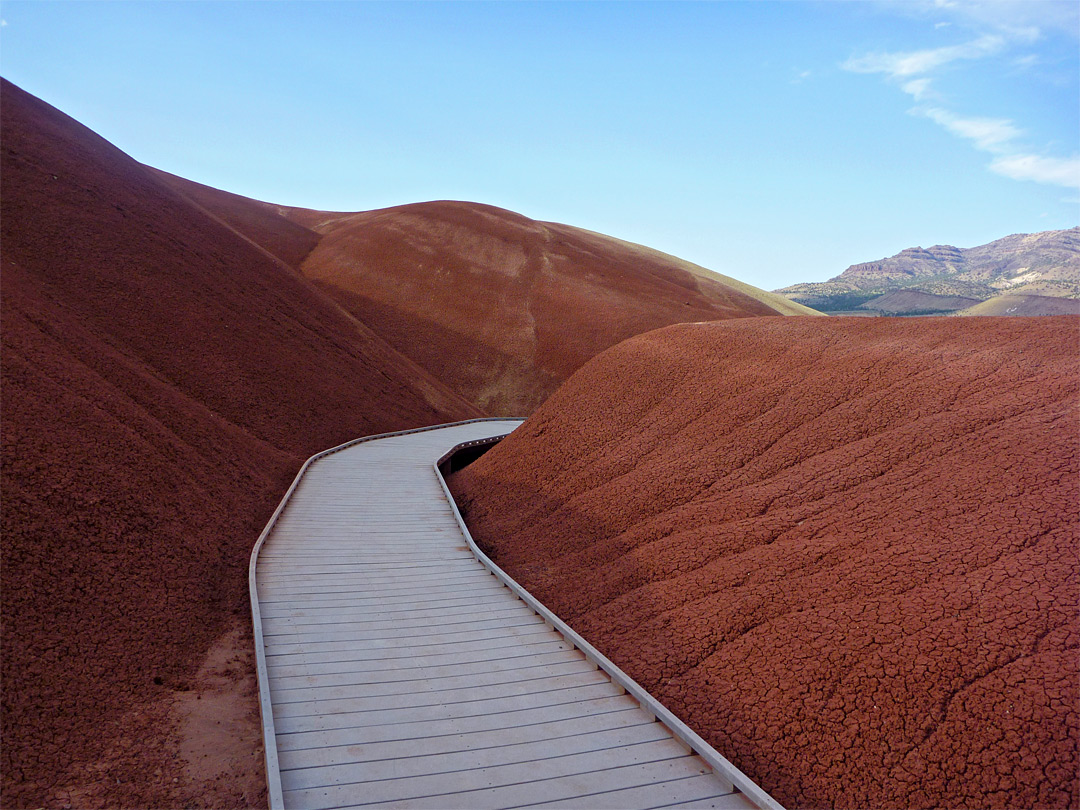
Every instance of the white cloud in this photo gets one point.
(917, 88)
(1025, 62)
(1018, 19)
(988, 134)
(915, 71)
(997, 136)
(1023, 18)
(915, 63)
(801, 76)
(1053, 171)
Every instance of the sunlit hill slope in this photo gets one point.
(500, 307)
(843, 550)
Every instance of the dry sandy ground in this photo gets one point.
(198, 746)
(843, 550)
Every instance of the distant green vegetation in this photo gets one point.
(919, 312)
(844, 301)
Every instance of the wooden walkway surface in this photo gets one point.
(396, 670)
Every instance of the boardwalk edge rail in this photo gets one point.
(717, 761)
(270, 754)
(680, 730)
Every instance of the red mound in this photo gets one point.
(844, 551)
(163, 378)
(268, 226)
(504, 308)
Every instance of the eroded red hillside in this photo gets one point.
(504, 308)
(844, 551)
(163, 379)
(265, 224)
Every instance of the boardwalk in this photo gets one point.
(396, 670)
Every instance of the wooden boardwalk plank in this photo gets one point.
(348, 678)
(366, 735)
(472, 676)
(431, 711)
(555, 731)
(430, 764)
(580, 787)
(363, 666)
(443, 697)
(412, 594)
(494, 785)
(382, 646)
(357, 617)
(454, 615)
(397, 671)
(697, 791)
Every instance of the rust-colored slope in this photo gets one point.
(267, 225)
(844, 550)
(163, 379)
(500, 306)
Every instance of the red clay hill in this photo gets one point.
(167, 366)
(163, 379)
(844, 550)
(428, 277)
(500, 307)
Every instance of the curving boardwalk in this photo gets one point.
(396, 670)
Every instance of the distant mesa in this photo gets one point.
(944, 279)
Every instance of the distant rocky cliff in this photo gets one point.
(944, 278)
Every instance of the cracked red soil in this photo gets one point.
(844, 551)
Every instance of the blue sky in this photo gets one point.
(775, 142)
